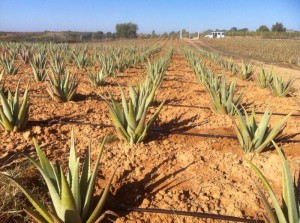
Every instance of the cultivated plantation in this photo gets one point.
(119, 131)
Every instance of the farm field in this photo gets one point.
(191, 159)
(271, 51)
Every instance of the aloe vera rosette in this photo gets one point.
(130, 118)
(13, 115)
(253, 136)
(71, 194)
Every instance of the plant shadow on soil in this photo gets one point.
(55, 120)
(287, 137)
(179, 124)
(159, 132)
(156, 102)
(131, 194)
(82, 97)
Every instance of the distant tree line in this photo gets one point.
(276, 31)
(129, 30)
(277, 27)
(126, 30)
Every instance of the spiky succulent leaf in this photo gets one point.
(288, 192)
(273, 133)
(91, 184)
(279, 212)
(289, 213)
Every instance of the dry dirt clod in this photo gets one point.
(159, 197)
(166, 142)
(26, 135)
(37, 130)
(145, 203)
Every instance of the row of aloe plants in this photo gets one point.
(253, 137)
(71, 194)
(40, 56)
(129, 117)
(223, 96)
(277, 85)
(71, 200)
(246, 71)
(62, 87)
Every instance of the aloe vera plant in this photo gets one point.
(1, 79)
(130, 122)
(71, 194)
(212, 82)
(290, 210)
(57, 64)
(62, 87)
(98, 78)
(246, 71)
(120, 60)
(81, 59)
(155, 72)
(200, 71)
(38, 74)
(255, 137)
(202, 74)
(39, 59)
(8, 63)
(14, 116)
(223, 98)
(107, 65)
(264, 79)
(230, 65)
(280, 87)
(25, 55)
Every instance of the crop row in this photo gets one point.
(265, 79)
(253, 136)
(71, 193)
(267, 50)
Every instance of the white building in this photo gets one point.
(216, 35)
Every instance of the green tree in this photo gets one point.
(278, 27)
(109, 35)
(126, 30)
(98, 35)
(185, 33)
(243, 30)
(263, 28)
